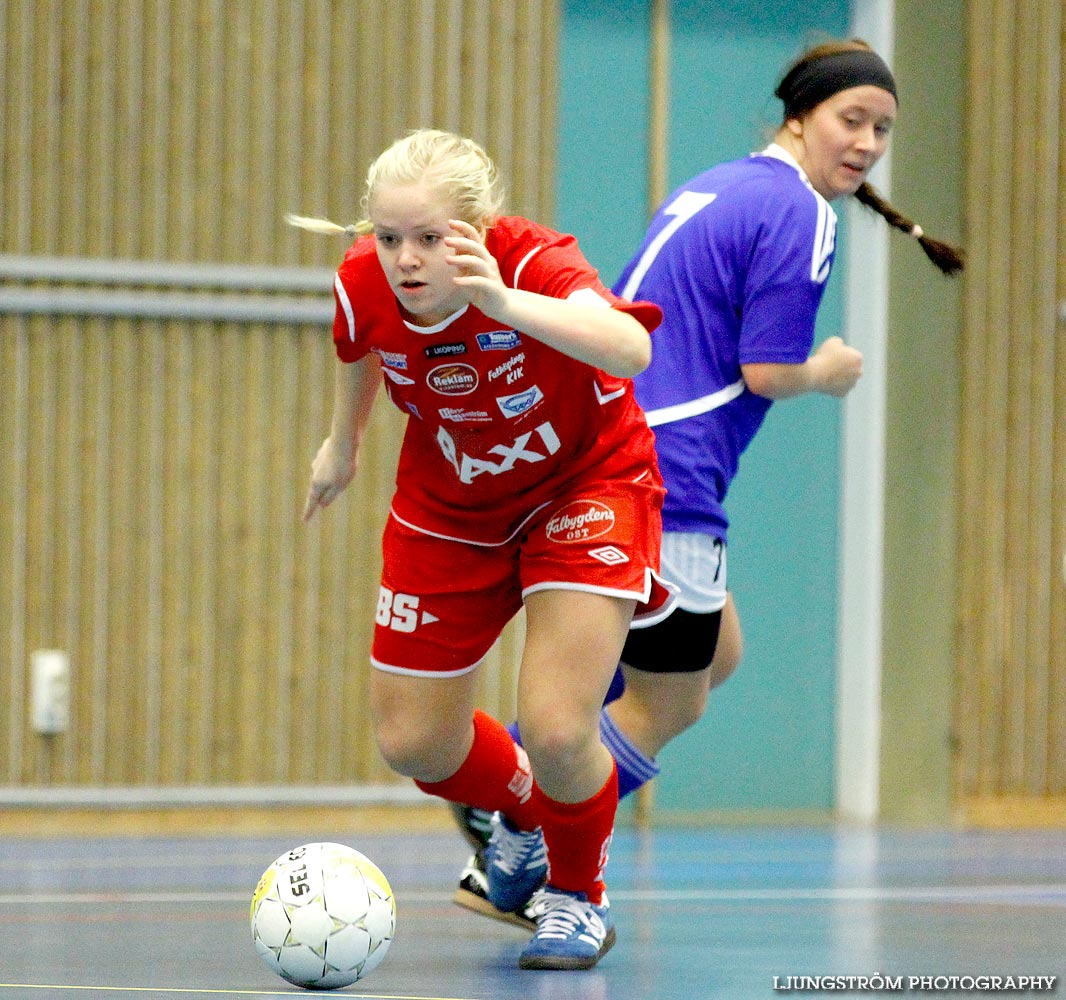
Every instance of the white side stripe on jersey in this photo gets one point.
(826, 225)
(824, 241)
(342, 297)
(693, 408)
(522, 263)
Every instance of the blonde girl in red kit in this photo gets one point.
(527, 477)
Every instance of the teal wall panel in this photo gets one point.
(767, 740)
(603, 141)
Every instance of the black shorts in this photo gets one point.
(682, 643)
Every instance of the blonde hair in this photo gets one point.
(456, 165)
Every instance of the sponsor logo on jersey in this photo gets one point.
(461, 416)
(401, 612)
(398, 378)
(512, 368)
(444, 350)
(579, 521)
(524, 449)
(512, 406)
(499, 340)
(453, 380)
(392, 358)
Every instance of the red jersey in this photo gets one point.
(498, 422)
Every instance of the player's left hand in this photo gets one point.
(476, 270)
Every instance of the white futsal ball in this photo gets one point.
(323, 916)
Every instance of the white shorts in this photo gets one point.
(696, 563)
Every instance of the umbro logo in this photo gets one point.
(610, 555)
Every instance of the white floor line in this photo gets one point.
(949, 893)
(178, 990)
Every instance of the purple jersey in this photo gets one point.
(737, 258)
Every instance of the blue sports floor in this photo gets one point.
(700, 913)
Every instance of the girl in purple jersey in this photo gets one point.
(738, 258)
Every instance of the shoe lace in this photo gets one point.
(517, 849)
(560, 916)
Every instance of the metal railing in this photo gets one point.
(53, 286)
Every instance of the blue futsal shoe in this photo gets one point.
(516, 863)
(572, 933)
(473, 894)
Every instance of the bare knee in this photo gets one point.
(426, 747)
(686, 710)
(656, 708)
(406, 751)
(678, 703)
(553, 743)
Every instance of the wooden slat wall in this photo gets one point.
(1011, 711)
(152, 471)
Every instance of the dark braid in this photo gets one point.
(948, 258)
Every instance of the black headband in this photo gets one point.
(811, 82)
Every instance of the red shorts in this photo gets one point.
(443, 602)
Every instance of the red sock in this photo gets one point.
(495, 775)
(577, 835)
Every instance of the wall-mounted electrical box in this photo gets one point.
(50, 690)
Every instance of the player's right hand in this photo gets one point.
(332, 470)
(839, 367)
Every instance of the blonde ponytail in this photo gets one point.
(327, 228)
